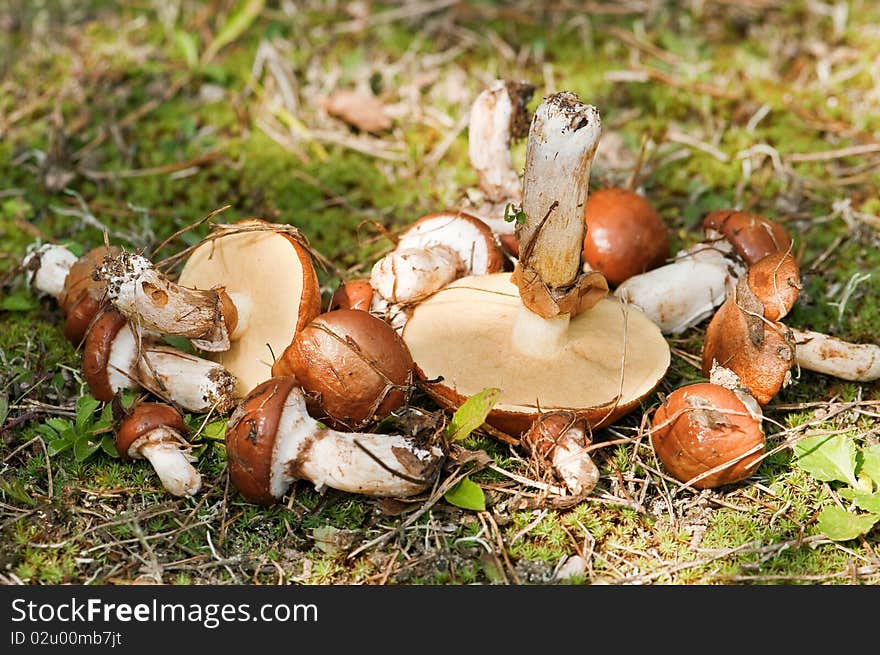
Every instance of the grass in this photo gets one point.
(113, 124)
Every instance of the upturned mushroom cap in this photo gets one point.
(613, 356)
(250, 439)
(353, 367)
(752, 236)
(471, 238)
(97, 352)
(143, 418)
(703, 426)
(759, 351)
(354, 294)
(271, 274)
(625, 234)
(82, 295)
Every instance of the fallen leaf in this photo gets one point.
(363, 111)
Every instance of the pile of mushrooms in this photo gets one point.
(565, 311)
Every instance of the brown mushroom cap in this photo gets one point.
(82, 296)
(250, 439)
(759, 351)
(702, 426)
(353, 367)
(460, 340)
(96, 353)
(776, 281)
(752, 236)
(142, 419)
(354, 294)
(471, 238)
(274, 272)
(625, 235)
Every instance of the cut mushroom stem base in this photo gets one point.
(539, 337)
(172, 465)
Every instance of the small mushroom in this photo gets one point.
(155, 432)
(353, 367)
(707, 435)
(547, 335)
(56, 271)
(433, 251)
(115, 358)
(271, 441)
(353, 294)
(626, 235)
(241, 297)
(686, 291)
(559, 439)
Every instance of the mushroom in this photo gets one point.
(822, 353)
(707, 435)
(559, 439)
(498, 115)
(353, 294)
(155, 432)
(54, 270)
(746, 335)
(241, 297)
(548, 335)
(684, 292)
(115, 358)
(626, 235)
(271, 441)
(352, 366)
(433, 251)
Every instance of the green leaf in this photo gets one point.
(467, 495)
(867, 501)
(472, 414)
(188, 44)
(828, 457)
(60, 425)
(215, 430)
(840, 525)
(236, 23)
(85, 413)
(17, 302)
(4, 407)
(85, 448)
(108, 445)
(871, 463)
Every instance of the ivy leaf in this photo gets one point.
(871, 463)
(467, 495)
(829, 458)
(840, 525)
(472, 414)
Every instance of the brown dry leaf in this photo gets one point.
(363, 111)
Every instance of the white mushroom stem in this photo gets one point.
(491, 127)
(821, 353)
(46, 268)
(146, 296)
(572, 463)
(191, 382)
(681, 294)
(162, 448)
(365, 463)
(407, 275)
(562, 143)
